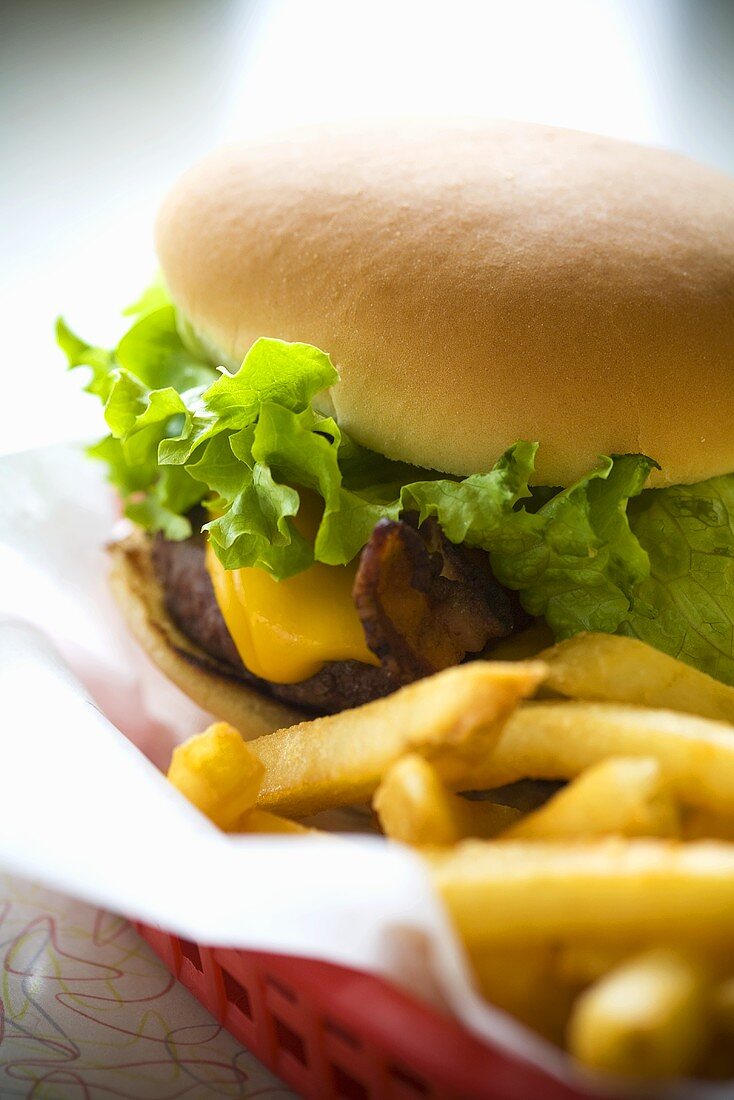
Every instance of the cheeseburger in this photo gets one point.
(405, 391)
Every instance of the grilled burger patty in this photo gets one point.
(190, 601)
(424, 604)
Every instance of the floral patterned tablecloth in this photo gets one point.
(87, 1011)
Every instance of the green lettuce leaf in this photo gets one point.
(153, 297)
(686, 605)
(163, 508)
(575, 560)
(147, 384)
(345, 530)
(128, 478)
(477, 508)
(153, 351)
(80, 354)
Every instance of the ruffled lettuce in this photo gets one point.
(145, 384)
(604, 554)
(576, 560)
(685, 606)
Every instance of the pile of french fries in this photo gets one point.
(598, 909)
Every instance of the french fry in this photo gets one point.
(610, 668)
(524, 982)
(610, 889)
(260, 821)
(218, 773)
(622, 795)
(414, 806)
(645, 1019)
(559, 740)
(578, 918)
(452, 719)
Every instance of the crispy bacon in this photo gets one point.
(425, 603)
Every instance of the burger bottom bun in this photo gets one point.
(200, 676)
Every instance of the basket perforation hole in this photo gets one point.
(237, 995)
(191, 952)
(409, 1081)
(346, 1086)
(284, 991)
(289, 1040)
(342, 1034)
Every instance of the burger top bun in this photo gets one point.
(476, 283)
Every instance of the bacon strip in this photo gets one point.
(425, 603)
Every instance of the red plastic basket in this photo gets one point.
(337, 1034)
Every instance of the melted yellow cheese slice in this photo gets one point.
(286, 631)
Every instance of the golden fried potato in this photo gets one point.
(452, 719)
(610, 668)
(414, 806)
(624, 795)
(612, 889)
(559, 740)
(218, 773)
(524, 981)
(645, 1019)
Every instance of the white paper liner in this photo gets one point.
(86, 813)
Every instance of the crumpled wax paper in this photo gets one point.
(86, 723)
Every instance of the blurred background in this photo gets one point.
(104, 102)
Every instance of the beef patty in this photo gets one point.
(190, 601)
(424, 604)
